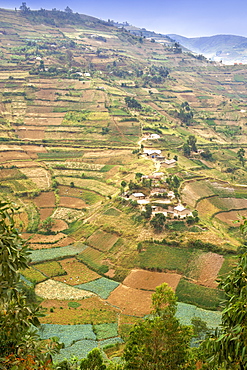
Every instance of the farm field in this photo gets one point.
(77, 116)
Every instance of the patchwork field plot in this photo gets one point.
(64, 242)
(91, 257)
(76, 272)
(67, 333)
(102, 240)
(85, 311)
(56, 253)
(148, 280)
(33, 275)
(198, 295)
(104, 331)
(50, 269)
(131, 301)
(67, 214)
(186, 312)
(89, 197)
(49, 239)
(59, 225)
(93, 185)
(168, 258)
(39, 176)
(45, 200)
(207, 268)
(50, 289)
(72, 202)
(79, 349)
(230, 217)
(206, 208)
(102, 287)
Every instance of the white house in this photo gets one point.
(153, 153)
(154, 137)
(181, 212)
(138, 195)
(170, 162)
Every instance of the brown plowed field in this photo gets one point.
(45, 212)
(31, 134)
(208, 266)
(131, 301)
(59, 225)
(61, 243)
(45, 200)
(72, 202)
(12, 155)
(77, 272)
(230, 217)
(148, 280)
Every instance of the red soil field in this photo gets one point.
(45, 200)
(131, 301)
(148, 280)
(72, 202)
(45, 212)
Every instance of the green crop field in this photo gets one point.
(102, 240)
(207, 298)
(167, 258)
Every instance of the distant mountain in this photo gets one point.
(228, 48)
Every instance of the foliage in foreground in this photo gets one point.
(160, 342)
(20, 347)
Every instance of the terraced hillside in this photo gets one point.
(127, 160)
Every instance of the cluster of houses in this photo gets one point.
(163, 195)
(157, 155)
(177, 212)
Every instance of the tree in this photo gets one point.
(158, 222)
(47, 224)
(206, 154)
(20, 346)
(94, 361)
(186, 150)
(123, 183)
(68, 10)
(228, 346)
(138, 176)
(24, 8)
(159, 342)
(148, 211)
(132, 103)
(240, 155)
(192, 143)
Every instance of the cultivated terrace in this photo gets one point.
(126, 158)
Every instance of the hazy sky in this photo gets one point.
(189, 18)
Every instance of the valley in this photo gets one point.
(126, 158)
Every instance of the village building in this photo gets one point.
(160, 158)
(171, 195)
(157, 191)
(170, 162)
(158, 175)
(153, 153)
(181, 212)
(136, 196)
(157, 209)
(153, 137)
